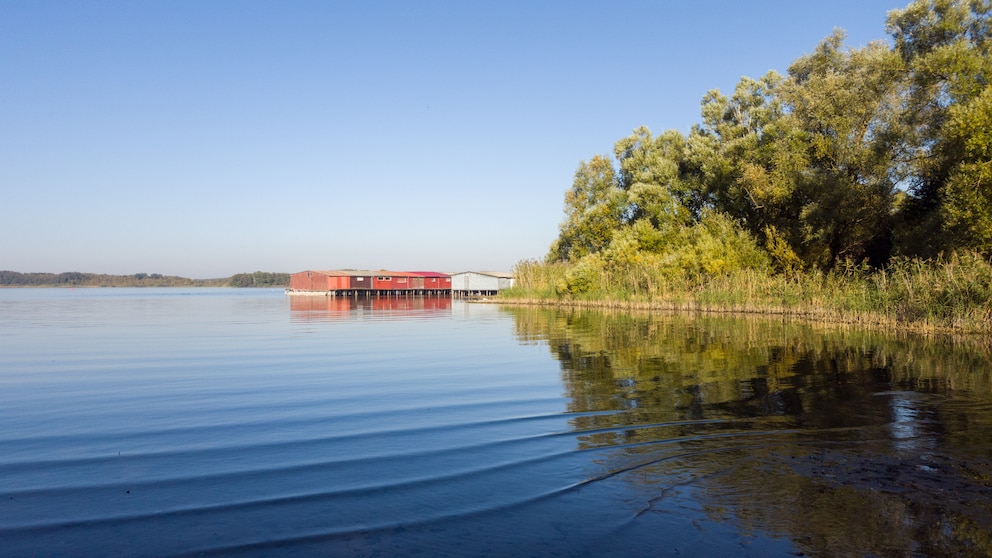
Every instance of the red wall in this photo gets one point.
(402, 281)
(317, 281)
(392, 281)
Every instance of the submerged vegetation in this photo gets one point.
(856, 187)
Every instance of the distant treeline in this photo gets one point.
(78, 279)
(259, 279)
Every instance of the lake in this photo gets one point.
(152, 422)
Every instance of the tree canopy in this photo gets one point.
(854, 155)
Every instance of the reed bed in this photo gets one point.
(947, 294)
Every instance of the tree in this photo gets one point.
(808, 163)
(848, 105)
(651, 171)
(853, 156)
(594, 209)
(945, 46)
(748, 157)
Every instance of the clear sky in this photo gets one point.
(207, 138)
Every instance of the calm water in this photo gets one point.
(244, 422)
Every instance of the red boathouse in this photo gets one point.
(380, 283)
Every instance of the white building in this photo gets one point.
(480, 283)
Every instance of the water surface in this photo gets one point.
(244, 422)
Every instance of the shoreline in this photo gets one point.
(808, 314)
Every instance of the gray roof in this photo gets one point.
(350, 272)
(500, 274)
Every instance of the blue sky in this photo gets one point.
(205, 139)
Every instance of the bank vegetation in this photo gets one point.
(857, 187)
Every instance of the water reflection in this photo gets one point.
(211, 423)
(323, 308)
(842, 441)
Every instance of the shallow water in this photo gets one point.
(244, 422)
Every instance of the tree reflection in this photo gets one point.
(844, 441)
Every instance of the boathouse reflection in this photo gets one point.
(323, 308)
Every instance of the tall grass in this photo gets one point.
(955, 291)
(952, 293)
(535, 280)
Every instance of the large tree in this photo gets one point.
(747, 159)
(594, 209)
(854, 155)
(847, 103)
(945, 44)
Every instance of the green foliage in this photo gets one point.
(650, 171)
(784, 259)
(847, 104)
(593, 209)
(968, 189)
(643, 261)
(945, 293)
(830, 191)
(856, 155)
(534, 279)
(645, 226)
(945, 46)
(954, 290)
(747, 152)
(588, 275)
